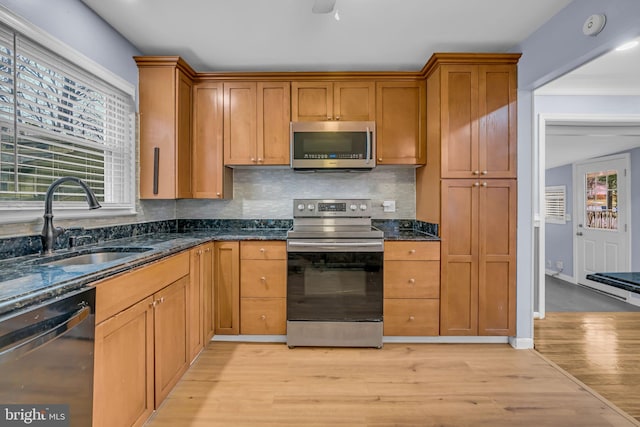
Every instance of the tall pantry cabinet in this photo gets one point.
(468, 186)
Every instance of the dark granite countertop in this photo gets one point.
(406, 234)
(25, 281)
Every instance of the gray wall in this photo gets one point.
(72, 22)
(554, 49)
(559, 237)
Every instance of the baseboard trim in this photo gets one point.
(561, 276)
(386, 339)
(521, 343)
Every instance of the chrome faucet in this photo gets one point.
(49, 232)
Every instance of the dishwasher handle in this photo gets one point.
(40, 337)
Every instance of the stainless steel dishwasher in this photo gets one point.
(46, 358)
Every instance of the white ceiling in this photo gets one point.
(614, 73)
(284, 35)
(371, 35)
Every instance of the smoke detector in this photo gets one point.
(593, 25)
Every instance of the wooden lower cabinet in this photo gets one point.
(411, 288)
(124, 385)
(263, 288)
(170, 333)
(478, 231)
(227, 288)
(263, 316)
(200, 298)
(141, 348)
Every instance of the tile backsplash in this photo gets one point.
(268, 193)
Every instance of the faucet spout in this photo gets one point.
(49, 232)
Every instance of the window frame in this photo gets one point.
(20, 211)
(556, 218)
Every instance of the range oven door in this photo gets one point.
(335, 280)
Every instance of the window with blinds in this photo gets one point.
(555, 204)
(58, 120)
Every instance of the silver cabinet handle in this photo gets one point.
(368, 154)
(156, 168)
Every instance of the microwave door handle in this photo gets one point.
(368, 146)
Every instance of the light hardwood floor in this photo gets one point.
(600, 349)
(255, 384)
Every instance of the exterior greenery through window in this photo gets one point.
(58, 120)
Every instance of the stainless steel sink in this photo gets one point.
(95, 256)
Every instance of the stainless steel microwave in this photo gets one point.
(333, 145)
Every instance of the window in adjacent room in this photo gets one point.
(56, 119)
(555, 203)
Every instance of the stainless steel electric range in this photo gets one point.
(334, 275)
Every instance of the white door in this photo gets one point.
(601, 217)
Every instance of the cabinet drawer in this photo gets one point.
(260, 278)
(411, 317)
(411, 250)
(115, 294)
(263, 316)
(412, 279)
(263, 250)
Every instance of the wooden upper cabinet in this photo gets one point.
(165, 85)
(477, 120)
(400, 122)
(274, 116)
(210, 179)
(256, 123)
(338, 100)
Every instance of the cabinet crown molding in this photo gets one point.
(166, 61)
(468, 58)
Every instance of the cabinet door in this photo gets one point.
(123, 386)
(400, 123)
(195, 307)
(497, 257)
(274, 116)
(240, 123)
(497, 121)
(227, 288)
(311, 101)
(209, 175)
(354, 101)
(183, 151)
(170, 330)
(410, 317)
(459, 263)
(264, 316)
(459, 112)
(165, 133)
(207, 279)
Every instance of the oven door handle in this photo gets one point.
(337, 245)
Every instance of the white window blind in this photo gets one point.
(58, 120)
(555, 204)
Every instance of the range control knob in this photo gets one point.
(311, 207)
(353, 207)
(300, 207)
(363, 207)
